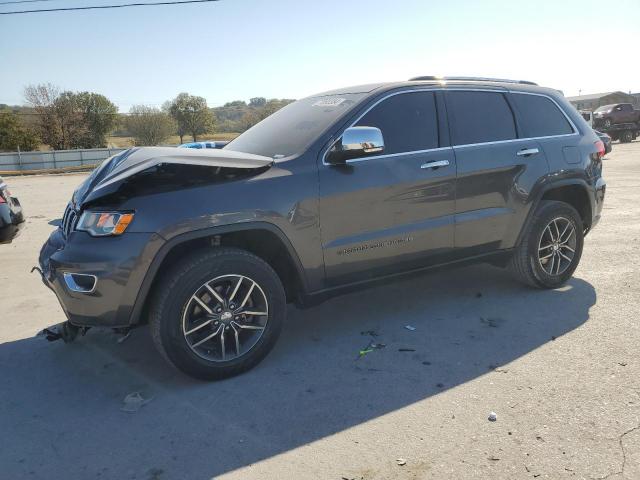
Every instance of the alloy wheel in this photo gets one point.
(557, 246)
(225, 318)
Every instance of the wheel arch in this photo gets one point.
(575, 192)
(263, 239)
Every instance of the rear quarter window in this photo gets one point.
(540, 116)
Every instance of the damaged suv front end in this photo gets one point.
(97, 259)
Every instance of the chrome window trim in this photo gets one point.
(389, 155)
(437, 88)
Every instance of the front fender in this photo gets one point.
(156, 262)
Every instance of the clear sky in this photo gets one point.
(237, 49)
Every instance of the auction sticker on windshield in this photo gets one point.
(329, 102)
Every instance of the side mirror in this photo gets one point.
(356, 142)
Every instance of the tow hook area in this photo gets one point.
(63, 331)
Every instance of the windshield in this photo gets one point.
(604, 108)
(292, 129)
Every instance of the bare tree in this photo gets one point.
(149, 125)
(42, 98)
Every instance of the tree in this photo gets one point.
(42, 97)
(14, 136)
(100, 116)
(191, 115)
(248, 120)
(69, 119)
(149, 125)
(257, 102)
(68, 116)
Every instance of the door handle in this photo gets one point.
(527, 152)
(435, 164)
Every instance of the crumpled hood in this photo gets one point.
(114, 170)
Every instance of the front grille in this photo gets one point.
(69, 220)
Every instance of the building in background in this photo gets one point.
(595, 100)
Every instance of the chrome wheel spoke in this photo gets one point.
(569, 228)
(204, 324)
(564, 256)
(248, 327)
(235, 334)
(568, 248)
(559, 264)
(222, 349)
(246, 297)
(208, 337)
(546, 256)
(548, 229)
(204, 306)
(214, 293)
(555, 224)
(250, 313)
(235, 290)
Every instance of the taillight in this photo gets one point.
(600, 148)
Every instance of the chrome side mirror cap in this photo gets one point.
(356, 142)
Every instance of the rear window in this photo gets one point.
(540, 116)
(479, 117)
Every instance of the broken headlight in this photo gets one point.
(102, 224)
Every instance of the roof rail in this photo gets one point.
(475, 79)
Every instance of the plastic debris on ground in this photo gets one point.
(134, 402)
(493, 416)
(401, 462)
(370, 348)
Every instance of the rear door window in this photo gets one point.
(408, 122)
(540, 116)
(479, 117)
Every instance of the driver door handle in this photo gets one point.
(435, 164)
(527, 152)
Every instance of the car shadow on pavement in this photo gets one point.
(61, 403)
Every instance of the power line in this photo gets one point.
(96, 7)
(24, 1)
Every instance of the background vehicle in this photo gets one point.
(11, 217)
(606, 140)
(330, 193)
(609, 115)
(624, 132)
(199, 145)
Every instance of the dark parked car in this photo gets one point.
(330, 193)
(11, 217)
(606, 140)
(616, 114)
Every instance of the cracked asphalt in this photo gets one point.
(561, 370)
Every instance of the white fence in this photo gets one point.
(54, 160)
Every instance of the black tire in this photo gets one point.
(626, 137)
(525, 263)
(174, 292)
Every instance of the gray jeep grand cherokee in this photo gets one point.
(332, 192)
